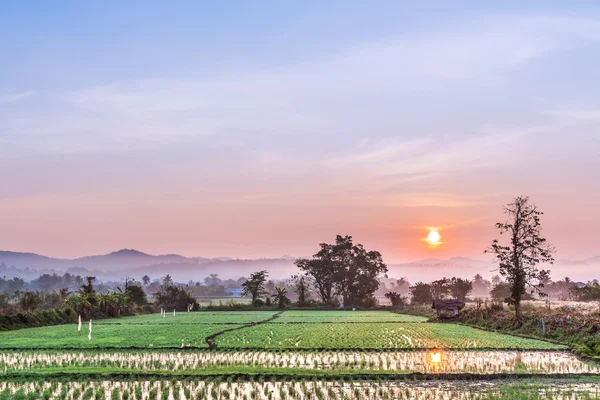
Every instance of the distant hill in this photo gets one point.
(430, 269)
(127, 258)
(129, 262)
(133, 263)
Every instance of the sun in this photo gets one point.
(433, 238)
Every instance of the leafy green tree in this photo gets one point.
(146, 280)
(524, 250)
(356, 270)
(396, 299)
(320, 270)
(280, 297)
(421, 293)
(30, 301)
(500, 292)
(80, 302)
(137, 295)
(440, 289)
(345, 269)
(255, 285)
(460, 288)
(172, 297)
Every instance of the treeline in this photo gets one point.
(30, 308)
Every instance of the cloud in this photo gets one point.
(9, 98)
(351, 93)
(424, 158)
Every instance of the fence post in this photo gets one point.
(543, 326)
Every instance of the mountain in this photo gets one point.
(133, 263)
(277, 268)
(31, 260)
(130, 262)
(126, 258)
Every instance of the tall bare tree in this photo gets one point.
(526, 248)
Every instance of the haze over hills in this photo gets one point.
(133, 263)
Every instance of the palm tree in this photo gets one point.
(281, 297)
(168, 280)
(146, 280)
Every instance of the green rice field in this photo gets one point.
(268, 330)
(284, 355)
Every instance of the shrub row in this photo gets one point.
(54, 316)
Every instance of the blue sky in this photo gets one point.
(261, 128)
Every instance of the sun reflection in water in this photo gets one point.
(435, 358)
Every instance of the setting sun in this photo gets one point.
(433, 238)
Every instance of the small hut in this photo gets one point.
(444, 307)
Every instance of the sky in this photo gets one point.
(262, 128)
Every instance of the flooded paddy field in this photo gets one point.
(218, 389)
(392, 362)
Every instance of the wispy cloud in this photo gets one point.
(9, 98)
(351, 93)
(425, 158)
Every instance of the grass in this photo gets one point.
(185, 318)
(298, 316)
(290, 330)
(374, 335)
(111, 336)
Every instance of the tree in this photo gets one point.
(403, 285)
(167, 280)
(213, 280)
(496, 279)
(16, 284)
(321, 272)
(500, 292)
(255, 286)
(146, 280)
(345, 269)
(440, 289)
(526, 248)
(172, 297)
(302, 288)
(137, 295)
(481, 287)
(30, 301)
(421, 293)
(356, 270)
(460, 288)
(88, 288)
(396, 299)
(281, 297)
